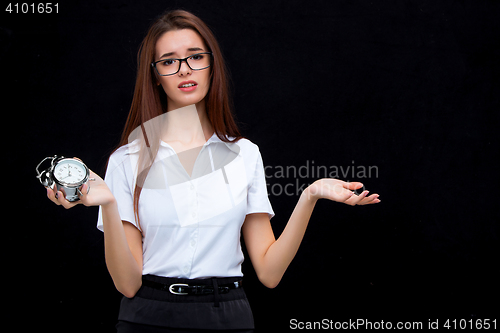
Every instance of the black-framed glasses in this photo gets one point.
(171, 66)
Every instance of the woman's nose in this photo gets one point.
(184, 70)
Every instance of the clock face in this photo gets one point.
(70, 172)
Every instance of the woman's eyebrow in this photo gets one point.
(191, 49)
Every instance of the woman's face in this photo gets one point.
(179, 87)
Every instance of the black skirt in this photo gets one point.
(153, 310)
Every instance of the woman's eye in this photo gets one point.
(168, 62)
(197, 57)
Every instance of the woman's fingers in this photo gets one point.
(83, 192)
(356, 199)
(341, 191)
(52, 196)
(363, 199)
(372, 199)
(64, 202)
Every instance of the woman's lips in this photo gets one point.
(188, 85)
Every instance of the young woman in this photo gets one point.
(175, 200)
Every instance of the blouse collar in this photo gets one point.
(134, 146)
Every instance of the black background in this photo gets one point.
(411, 87)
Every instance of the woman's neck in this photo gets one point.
(188, 126)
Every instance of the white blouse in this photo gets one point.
(191, 225)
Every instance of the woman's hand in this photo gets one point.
(340, 191)
(94, 193)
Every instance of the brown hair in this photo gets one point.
(150, 100)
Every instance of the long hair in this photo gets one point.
(150, 100)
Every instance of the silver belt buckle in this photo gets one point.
(172, 286)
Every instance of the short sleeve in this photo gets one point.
(258, 199)
(117, 178)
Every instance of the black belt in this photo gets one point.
(186, 289)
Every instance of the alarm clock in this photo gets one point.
(68, 174)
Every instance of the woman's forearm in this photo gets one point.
(123, 268)
(281, 253)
